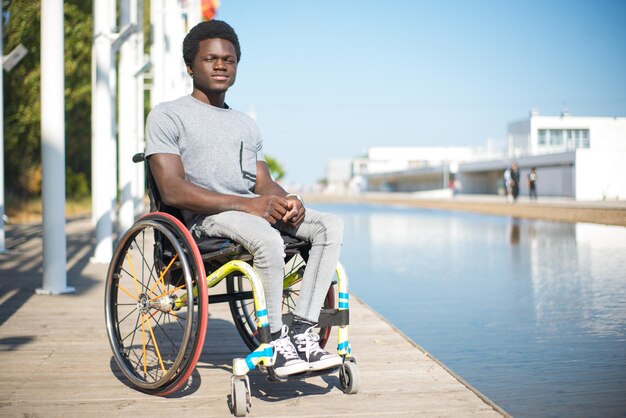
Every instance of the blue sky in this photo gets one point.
(329, 79)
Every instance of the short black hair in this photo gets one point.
(210, 29)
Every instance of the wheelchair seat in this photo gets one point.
(213, 247)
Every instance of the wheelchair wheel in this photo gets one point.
(349, 378)
(156, 304)
(240, 397)
(245, 317)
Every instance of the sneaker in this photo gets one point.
(286, 358)
(309, 349)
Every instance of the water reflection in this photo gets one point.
(532, 313)
(601, 259)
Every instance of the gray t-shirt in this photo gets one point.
(219, 147)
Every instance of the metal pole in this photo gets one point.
(157, 52)
(127, 118)
(139, 189)
(53, 149)
(2, 247)
(103, 183)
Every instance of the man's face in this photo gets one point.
(215, 66)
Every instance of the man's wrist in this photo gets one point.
(297, 196)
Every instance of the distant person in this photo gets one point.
(207, 160)
(531, 181)
(515, 178)
(507, 184)
(456, 187)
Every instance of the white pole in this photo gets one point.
(139, 189)
(127, 117)
(2, 247)
(53, 149)
(103, 178)
(157, 52)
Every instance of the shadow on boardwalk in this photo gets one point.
(21, 267)
(57, 360)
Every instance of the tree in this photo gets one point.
(276, 170)
(23, 104)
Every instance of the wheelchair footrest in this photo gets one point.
(328, 318)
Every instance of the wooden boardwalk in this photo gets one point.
(56, 359)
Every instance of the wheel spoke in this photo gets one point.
(132, 270)
(161, 274)
(119, 286)
(143, 343)
(129, 313)
(168, 292)
(145, 264)
(156, 346)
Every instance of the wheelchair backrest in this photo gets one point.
(156, 204)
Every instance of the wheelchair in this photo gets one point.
(156, 304)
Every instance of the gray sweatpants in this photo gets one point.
(325, 233)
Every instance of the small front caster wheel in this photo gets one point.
(240, 398)
(349, 377)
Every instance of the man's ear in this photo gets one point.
(190, 71)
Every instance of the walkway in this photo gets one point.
(56, 359)
(610, 212)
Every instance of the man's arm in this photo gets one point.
(265, 186)
(176, 191)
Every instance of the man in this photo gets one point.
(531, 182)
(507, 185)
(515, 179)
(207, 160)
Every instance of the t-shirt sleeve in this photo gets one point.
(161, 133)
(258, 143)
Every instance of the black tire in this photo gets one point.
(349, 377)
(155, 343)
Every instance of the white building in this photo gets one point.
(553, 134)
(338, 175)
(578, 157)
(575, 156)
(415, 169)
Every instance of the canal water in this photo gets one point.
(531, 313)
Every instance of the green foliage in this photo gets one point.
(22, 96)
(77, 185)
(276, 170)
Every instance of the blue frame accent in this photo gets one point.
(268, 352)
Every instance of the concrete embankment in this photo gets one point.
(552, 209)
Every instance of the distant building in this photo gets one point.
(575, 156)
(415, 169)
(539, 135)
(338, 175)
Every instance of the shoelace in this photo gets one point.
(284, 346)
(310, 341)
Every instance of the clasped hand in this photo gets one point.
(274, 208)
